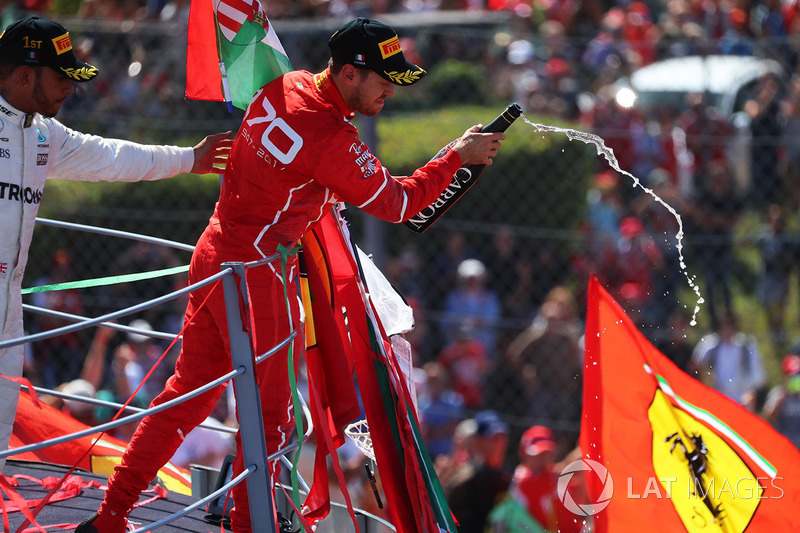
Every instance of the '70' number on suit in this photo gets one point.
(276, 123)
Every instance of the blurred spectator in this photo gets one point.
(505, 389)
(672, 138)
(730, 361)
(639, 31)
(662, 225)
(441, 409)
(605, 53)
(605, 210)
(770, 30)
(485, 483)
(765, 143)
(466, 361)
(454, 467)
(510, 276)
(672, 341)
(518, 80)
(737, 39)
(442, 272)
(94, 369)
(501, 261)
(473, 306)
(58, 359)
(97, 381)
(561, 88)
(778, 255)
(547, 356)
(616, 125)
(134, 359)
(782, 406)
(535, 481)
(81, 411)
(708, 136)
(639, 264)
(790, 116)
(711, 217)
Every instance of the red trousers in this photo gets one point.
(205, 355)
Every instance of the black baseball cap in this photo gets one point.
(373, 45)
(39, 42)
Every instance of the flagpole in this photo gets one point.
(226, 90)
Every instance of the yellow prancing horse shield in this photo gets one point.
(727, 485)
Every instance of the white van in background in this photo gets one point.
(726, 81)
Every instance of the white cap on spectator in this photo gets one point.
(520, 52)
(471, 268)
(143, 325)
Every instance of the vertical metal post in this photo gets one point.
(248, 404)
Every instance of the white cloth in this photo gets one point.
(204, 446)
(395, 314)
(34, 149)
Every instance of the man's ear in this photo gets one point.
(24, 74)
(349, 74)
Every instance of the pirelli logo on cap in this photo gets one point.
(389, 47)
(62, 44)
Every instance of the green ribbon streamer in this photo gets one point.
(298, 413)
(110, 280)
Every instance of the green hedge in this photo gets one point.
(537, 183)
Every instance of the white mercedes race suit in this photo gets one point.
(34, 149)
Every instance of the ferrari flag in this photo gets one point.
(232, 51)
(38, 423)
(679, 455)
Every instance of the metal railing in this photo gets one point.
(254, 449)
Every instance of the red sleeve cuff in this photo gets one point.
(453, 160)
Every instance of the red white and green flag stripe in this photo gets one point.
(232, 51)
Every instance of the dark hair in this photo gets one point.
(729, 317)
(6, 69)
(336, 68)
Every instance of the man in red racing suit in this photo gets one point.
(295, 154)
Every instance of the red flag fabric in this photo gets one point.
(343, 273)
(35, 424)
(203, 77)
(414, 500)
(679, 455)
(333, 399)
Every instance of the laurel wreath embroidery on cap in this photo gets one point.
(83, 73)
(409, 76)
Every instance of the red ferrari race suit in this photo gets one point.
(295, 154)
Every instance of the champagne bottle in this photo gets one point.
(464, 178)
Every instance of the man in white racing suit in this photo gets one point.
(37, 71)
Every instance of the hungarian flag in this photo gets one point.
(38, 423)
(232, 51)
(661, 450)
